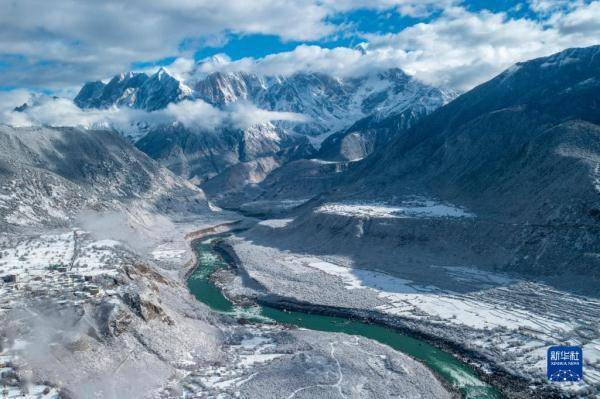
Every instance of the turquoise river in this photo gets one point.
(442, 363)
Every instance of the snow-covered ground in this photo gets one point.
(12, 385)
(23, 204)
(67, 297)
(86, 315)
(164, 253)
(271, 361)
(258, 207)
(507, 320)
(409, 209)
(61, 266)
(276, 223)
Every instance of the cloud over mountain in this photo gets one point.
(64, 42)
(196, 114)
(459, 49)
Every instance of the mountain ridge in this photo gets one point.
(328, 104)
(521, 151)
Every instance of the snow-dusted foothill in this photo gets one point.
(336, 365)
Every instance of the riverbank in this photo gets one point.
(480, 327)
(292, 362)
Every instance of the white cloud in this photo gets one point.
(193, 114)
(411, 8)
(62, 112)
(462, 48)
(203, 116)
(64, 42)
(581, 22)
(59, 44)
(340, 61)
(459, 49)
(13, 98)
(243, 115)
(196, 115)
(546, 7)
(181, 67)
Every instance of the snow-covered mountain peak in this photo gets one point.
(331, 103)
(162, 73)
(222, 88)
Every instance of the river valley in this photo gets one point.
(452, 371)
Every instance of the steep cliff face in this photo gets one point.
(135, 90)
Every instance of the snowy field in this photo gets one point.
(60, 266)
(417, 208)
(507, 320)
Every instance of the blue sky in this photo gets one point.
(358, 22)
(56, 46)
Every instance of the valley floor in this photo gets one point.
(502, 324)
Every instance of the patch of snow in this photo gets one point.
(404, 297)
(166, 254)
(408, 209)
(249, 360)
(276, 223)
(254, 341)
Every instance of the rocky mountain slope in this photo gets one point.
(135, 90)
(201, 155)
(523, 150)
(50, 174)
(331, 103)
(519, 152)
(367, 135)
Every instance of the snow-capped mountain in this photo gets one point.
(328, 104)
(334, 103)
(135, 90)
(220, 88)
(331, 103)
